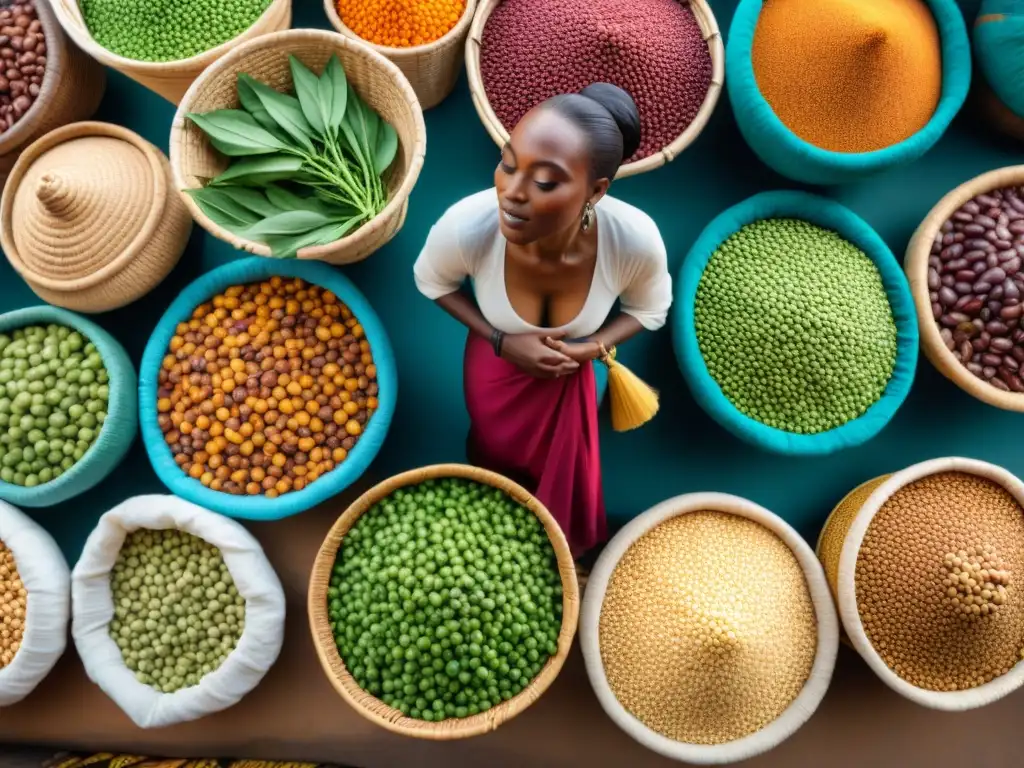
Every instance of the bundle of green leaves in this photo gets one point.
(307, 168)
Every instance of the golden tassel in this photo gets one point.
(633, 401)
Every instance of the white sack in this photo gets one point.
(44, 572)
(93, 609)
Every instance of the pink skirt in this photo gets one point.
(541, 433)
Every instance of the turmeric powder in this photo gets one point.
(400, 23)
(849, 75)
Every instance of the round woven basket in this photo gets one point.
(709, 26)
(169, 79)
(432, 69)
(916, 265)
(377, 81)
(830, 215)
(839, 545)
(799, 709)
(118, 431)
(372, 708)
(89, 218)
(72, 88)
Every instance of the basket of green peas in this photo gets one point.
(443, 602)
(68, 411)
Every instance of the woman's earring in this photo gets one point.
(588, 217)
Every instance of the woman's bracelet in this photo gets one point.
(497, 337)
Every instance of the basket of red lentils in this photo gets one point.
(425, 38)
(267, 388)
(667, 55)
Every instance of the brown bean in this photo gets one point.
(1011, 312)
(1002, 344)
(998, 383)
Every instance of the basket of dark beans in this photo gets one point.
(964, 264)
(45, 80)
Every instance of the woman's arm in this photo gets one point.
(622, 328)
(465, 310)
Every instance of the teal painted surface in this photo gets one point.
(682, 450)
(999, 47)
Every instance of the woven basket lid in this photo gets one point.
(708, 629)
(81, 202)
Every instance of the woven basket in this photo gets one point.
(838, 547)
(379, 82)
(709, 26)
(118, 431)
(432, 69)
(169, 79)
(72, 88)
(98, 224)
(372, 708)
(799, 709)
(916, 265)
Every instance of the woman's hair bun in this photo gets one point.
(623, 109)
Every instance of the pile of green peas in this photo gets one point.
(177, 612)
(53, 402)
(445, 599)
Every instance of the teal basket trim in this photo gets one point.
(999, 47)
(827, 214)
(786, 153)
(250, 270)
(118, 430)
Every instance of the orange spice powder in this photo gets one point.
(401, 23)
(849, 75)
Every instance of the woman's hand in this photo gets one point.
(580, 351)
(530, 353)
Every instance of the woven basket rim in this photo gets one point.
(412, 51)
(827, 646)
(916, 266)
(387, 717)
(328, 39)
(716, 48)
(71, 20)
(949, 701)
(142, 239)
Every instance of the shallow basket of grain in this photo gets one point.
(705, 18)
(707, 629)
(176, 611)
(72, 87)
(501, 709)
(112, 436)
(376, 80)
(814, 276)
(163, 439)
(89, 217)
(923, 564)
(889, 34)
(36, 586)
(958, 239)
(432, 68)
(169, 79)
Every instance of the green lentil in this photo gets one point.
(177, 612)
(445, 599)
(168, 30)
(794, 325)
(49, 416)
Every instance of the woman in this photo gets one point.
(548, 257)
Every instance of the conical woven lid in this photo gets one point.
(708, 631)
(80, 205)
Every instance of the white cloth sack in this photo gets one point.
(44, 572)
(93, 609)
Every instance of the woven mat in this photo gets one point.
(111, 760)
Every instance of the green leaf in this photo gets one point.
(251, 104)
(289, 201)
(286, 112)
(288, 223)
(307, 91)
(252, 200)
(223, 210)
(236, 133)
(333, 90)
(284, 247)
(387, 147)
(261, 169)
(364, 123)
(284, 199)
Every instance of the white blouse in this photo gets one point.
(631, 265)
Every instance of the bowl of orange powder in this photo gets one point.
(830, 91)
(425, 39)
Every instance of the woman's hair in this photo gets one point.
(608, 117)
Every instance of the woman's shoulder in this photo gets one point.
(474, 218)
(634, 234)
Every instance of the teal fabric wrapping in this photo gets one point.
(118, 430)
(999, 47)
(827, 214)
(250, 270)
(787, 154)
